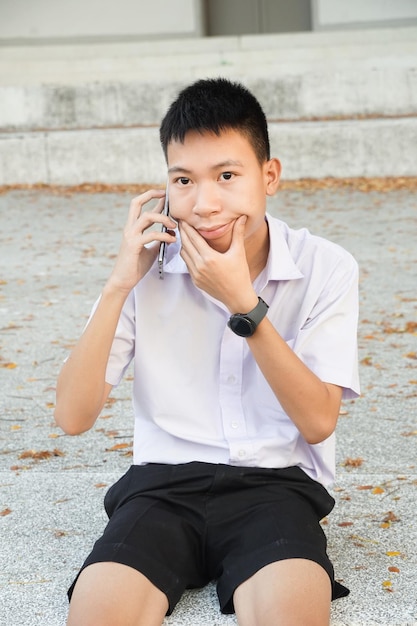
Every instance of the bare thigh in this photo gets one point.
(293, 592)
(112, 594)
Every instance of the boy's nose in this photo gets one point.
(207, 200)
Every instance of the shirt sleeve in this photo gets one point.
(123, 346)
(327, 343)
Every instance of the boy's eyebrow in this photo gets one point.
(229, 162)
(177, 168)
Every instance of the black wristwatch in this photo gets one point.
(245, 324)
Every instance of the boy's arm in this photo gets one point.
(313, 405)
(82, 389)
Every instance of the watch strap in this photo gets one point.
(258, 313)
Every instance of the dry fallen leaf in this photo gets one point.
(118, 446)
(111, 433)
(409, 327)
(41, 455)
(5, 512)
(352, 462)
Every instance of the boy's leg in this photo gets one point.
(293, 592)
(111, 594)
(272, 549)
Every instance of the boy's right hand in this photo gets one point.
(135, 257)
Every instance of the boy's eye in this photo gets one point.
(226, 175)
(183, 180)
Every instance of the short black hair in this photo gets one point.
(216, 105)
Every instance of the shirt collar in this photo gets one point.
(280, 264)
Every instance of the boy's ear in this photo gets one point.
(272, 175)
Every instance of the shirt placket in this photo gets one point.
(231, 398)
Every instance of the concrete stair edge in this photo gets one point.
(370, 92)
(369, 148)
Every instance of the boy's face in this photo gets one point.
(213, 180)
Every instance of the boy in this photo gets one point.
(242, 355)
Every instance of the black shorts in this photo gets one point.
(183, 526)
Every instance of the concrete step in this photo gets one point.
(98, 61)
(342, 149)
(308, 75)
(338, 104)
(317, 94)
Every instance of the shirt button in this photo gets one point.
(231, 379)
(241, 454)
(234, 425)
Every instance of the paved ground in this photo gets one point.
(56, 251)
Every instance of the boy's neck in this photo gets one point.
(257, 253)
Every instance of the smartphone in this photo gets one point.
(162, 247)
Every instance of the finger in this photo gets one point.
(191, 239)
(156, 236)
(238, 234)
(147, 219)
(136, 205)
(239, 229)
(189, 252)
(160, 217)
(188, 259)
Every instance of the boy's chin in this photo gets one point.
(220, 245)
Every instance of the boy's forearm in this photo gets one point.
(81, 387)
(311, 404)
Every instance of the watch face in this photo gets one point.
(242, 326)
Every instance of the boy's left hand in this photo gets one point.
(223, 275)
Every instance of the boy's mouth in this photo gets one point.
(214, 231)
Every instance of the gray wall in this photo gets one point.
(89, 20)
(238, 17)
(356, 14)
(62, 21)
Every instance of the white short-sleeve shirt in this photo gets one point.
(198, 394)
